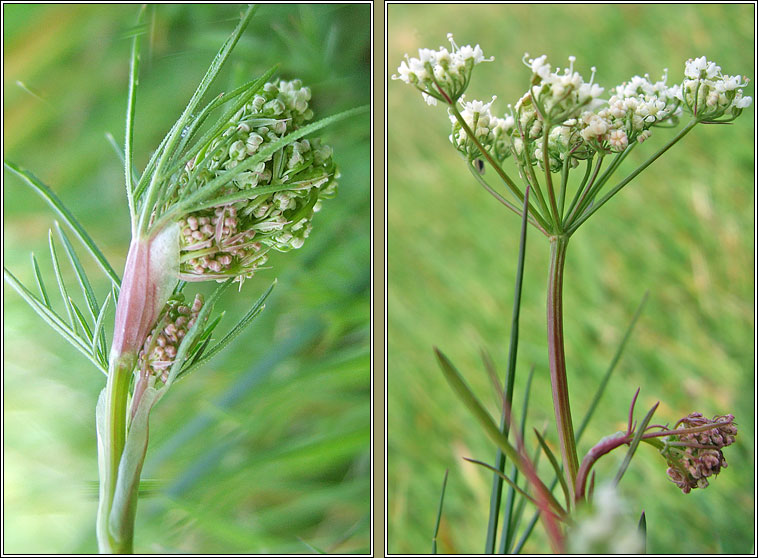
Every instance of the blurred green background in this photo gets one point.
(267, 449)
(683, 231)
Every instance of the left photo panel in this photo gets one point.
(187, 308)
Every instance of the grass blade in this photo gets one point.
(81, 275)
(244, 92)
(497, 483)
(439, 513)
(40, 282)
(634, 443)
(168, 150)
(510, 482)
(556, 466)
(99, 345)
(130, 104)
(49, 316)
(80, 319)
(57, 205)
(460, 387)
(510, 520)
(120, 154)
(61, 284)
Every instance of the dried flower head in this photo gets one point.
(693, 456)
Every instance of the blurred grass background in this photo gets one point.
(265, 450)
(683, 230)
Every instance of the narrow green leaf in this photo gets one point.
(249, 194)
(510, 380)
(511, 519)
(82, 321)
(61, 284)
(40, 282)
(99, 345)
(465, 394)
(256, 309)
(55, 321)
(55, 203)
(81, 275)
(439, 513)
(130, 105)
(634, 443)
(556, 466)
(518, 514)
(510, 482)
(120, 154)
(244, 92)
(168, 151)
(194, 332)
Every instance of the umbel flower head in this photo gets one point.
(232, 239)
(708, 94)
(695, 456)
(441, 74)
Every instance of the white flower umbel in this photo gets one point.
(709, 95)
(441, 75)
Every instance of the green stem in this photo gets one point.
(558, 379)
(114, 439)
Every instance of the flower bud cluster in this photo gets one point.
(697, 455)
(161, 346)
(232, 239)
(489, 130)
(441, 75)
(708, 94)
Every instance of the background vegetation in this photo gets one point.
(267, 448)
(683, 231)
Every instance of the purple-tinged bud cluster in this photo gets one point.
(695, 456)
(161, 346)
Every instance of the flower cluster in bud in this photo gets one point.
(441, 74)
(489, 130)
(161, 346)
(232, 239)
(708, 94)
(695, 456)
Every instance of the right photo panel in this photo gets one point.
(570, 279)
